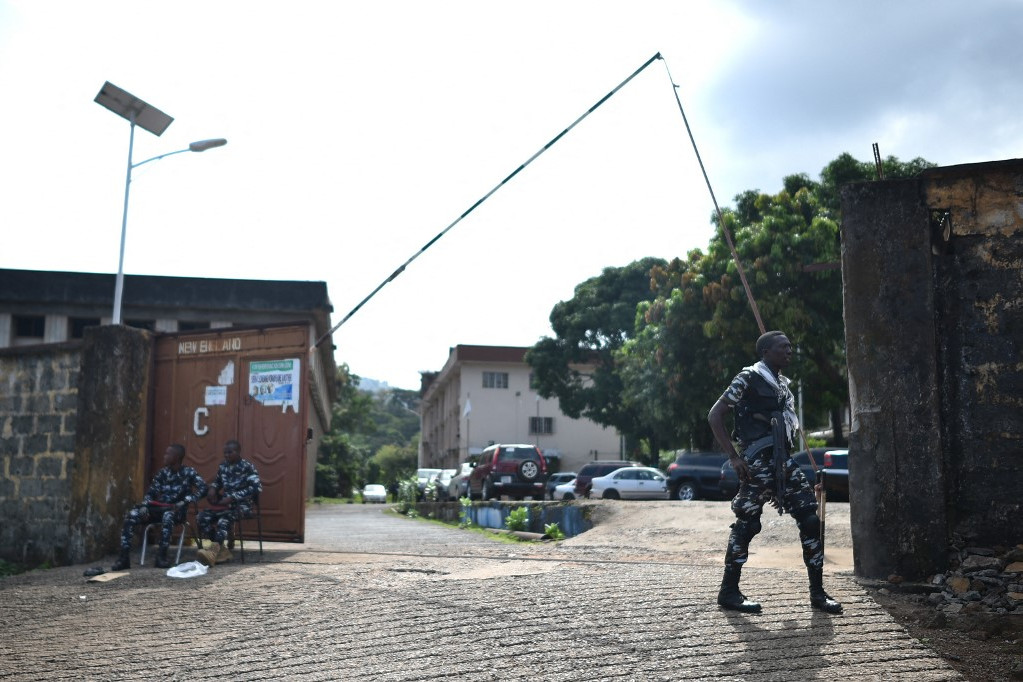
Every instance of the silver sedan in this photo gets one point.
(631, 483)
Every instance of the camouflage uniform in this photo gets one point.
(749, 395)
(239, 481)
(167, 499)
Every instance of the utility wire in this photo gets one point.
(721, 218)
(486, 196)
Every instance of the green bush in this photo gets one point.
(518, 519)
(553, 531)
(464, 520)
(408, 492)
(7, 568)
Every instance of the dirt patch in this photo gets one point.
(699, 531)
(981, 646)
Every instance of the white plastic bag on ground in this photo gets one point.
(189, 569)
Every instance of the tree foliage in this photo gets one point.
(691, 329)
(370, 438)
(699, 329)
(590, 327)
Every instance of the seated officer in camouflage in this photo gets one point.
(173, 488)
(230, 496)
(766, 427)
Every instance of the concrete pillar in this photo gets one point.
(5, 330)
(111, 438)
(896, 478)
(56, 329)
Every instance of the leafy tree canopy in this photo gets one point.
(589, 328)
(363, 425)
(699, 330)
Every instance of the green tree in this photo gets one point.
(364, 425)
(699, 330)
(393, 463)
(588, 329)
(342, 457)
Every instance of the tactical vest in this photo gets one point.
(753, 411)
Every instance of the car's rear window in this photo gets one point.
(516, 453)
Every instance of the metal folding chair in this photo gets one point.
(185, 525)
(236, 532)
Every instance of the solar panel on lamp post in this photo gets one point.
(142, 114)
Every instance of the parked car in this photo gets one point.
(514, 469)
(834, 460)
(695, 475)
(557, 479)
(631, 483)
(599, 468)
(423, 478)
(564, 491)
(458, 486)
(441, 481)
(374, 492)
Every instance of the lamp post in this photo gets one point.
(150, 118)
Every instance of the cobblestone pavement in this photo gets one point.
(372, 596)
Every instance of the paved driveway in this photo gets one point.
(371, 596)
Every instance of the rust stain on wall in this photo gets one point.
(989, 205)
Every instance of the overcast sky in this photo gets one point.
(358, 131)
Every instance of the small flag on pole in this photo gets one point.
(468, 408)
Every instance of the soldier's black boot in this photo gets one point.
(161, 558)
(820, 599)
(730, 597)
(122, 562)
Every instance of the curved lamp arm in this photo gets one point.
(198, 146)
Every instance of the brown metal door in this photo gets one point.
(244, 384)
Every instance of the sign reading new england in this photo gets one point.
(199, 346)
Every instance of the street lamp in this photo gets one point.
(137, 112)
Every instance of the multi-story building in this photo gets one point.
(484, 395)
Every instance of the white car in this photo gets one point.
(440, 483)
(374, 492)
(631, 483)
(565, 491)
(458, 486)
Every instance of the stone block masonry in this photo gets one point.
(73, 435)
(38, 416)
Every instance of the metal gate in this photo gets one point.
(245, 384)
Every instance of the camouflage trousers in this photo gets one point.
(143, 514)
(798, 501)
(216, 523)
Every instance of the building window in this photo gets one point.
(149, 325)
(495, 380)
(76, 326)
(29, 326)
(541, 426)
(184, 326)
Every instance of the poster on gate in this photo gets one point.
(276, 382)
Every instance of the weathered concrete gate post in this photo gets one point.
(111, 437)
(933, 288)
(897, 473)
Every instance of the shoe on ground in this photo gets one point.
(734, 600)
(822, 601)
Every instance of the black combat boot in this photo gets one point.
(730, 597)
(819, 599)
(161, 558)
(122, 562)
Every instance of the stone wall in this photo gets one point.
(73, 432)
(38, 412)
(933, 291)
